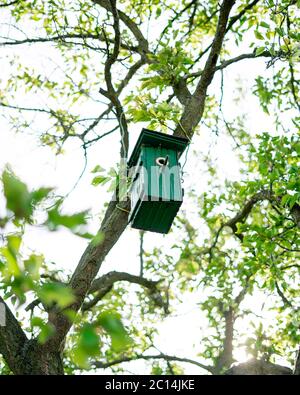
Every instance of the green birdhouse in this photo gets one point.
(156, 192)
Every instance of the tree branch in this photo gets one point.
(243, 214)
(194, 107)
(27, 109)
(105, 283)
(232, 21)
(225, 358)
(12, 340)
(63, 37)
(9, 4)
(110, 93)
(112, 277)
(297, 364)
(105, 365)
(229, 62)
(237, 17)
(143, 46)
(260, 196)
(131, 72)
(175, 18)
(284, 298)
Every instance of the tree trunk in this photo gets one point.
(37, 360)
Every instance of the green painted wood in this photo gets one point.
(163, 183)
(156, 192)
(156, 139)
(155, 216)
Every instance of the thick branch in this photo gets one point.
(105, 283)
(226, 356)
(12, 340)
(194, 107)
(112, 277)
(111, 59)
(181, 91)
(210, 65)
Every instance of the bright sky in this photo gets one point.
(38, 166)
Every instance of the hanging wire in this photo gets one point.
(186, 155)
(188, 146)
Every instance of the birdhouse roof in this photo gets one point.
(156, 139)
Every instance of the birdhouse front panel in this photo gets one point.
(163, 174)
(156, 192)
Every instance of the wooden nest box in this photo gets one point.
(156, 192)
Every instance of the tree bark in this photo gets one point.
(38, 360)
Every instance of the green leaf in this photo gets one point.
(264, 24)
(10, 253)
(97, 239)
(39, 195)
(60, 294)
(259, 51)
(100, 180)
(33, 264)
(18, 198)
(258, 35)
(280, 31)
(98, 169)
(72, 222)
(89, 340)
(285, 199)
(88, 346)
(112, 324)
(46, 329)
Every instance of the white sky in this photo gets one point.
(38, 166)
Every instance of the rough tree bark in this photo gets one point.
(25, 356)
